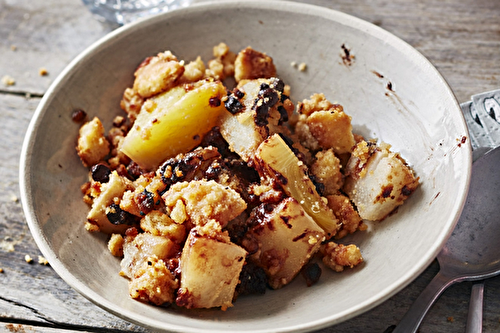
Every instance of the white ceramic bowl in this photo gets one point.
(391, 91)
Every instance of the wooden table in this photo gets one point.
(460, 37)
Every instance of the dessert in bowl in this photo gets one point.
(392, 93)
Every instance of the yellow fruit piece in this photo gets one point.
(277, 160)
(173, 122)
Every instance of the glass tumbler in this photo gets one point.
(126, 11)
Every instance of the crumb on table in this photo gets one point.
(43, 71)
(42, 261)
(28, 259)
(450, 319)
(8, 80)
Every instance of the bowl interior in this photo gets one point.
(391, 91)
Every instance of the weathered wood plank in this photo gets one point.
(31, 291)
(42, 34)
(22, 328)
(460, 37)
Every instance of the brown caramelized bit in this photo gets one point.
(118, 216)
(347, 57)
(146, 201)
(233, 105)
(134, 170)
(266, 98)
(100, 173)
(78, 115)
(253, 280)
(311, 272)
(214, 101)
(187, 167)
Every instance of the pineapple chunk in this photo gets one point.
(277, 160)
(210, 268)
(136, 252)
(259, 112)
(378, 180)
(287, 238)
(173, 122)
(114, 188)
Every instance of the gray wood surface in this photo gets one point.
(460, 37)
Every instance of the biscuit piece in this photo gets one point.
(153, 283)
(338, 256)
(251, 64)
(202, 201)
(92, 143)
(323, 124)
(157, 74)
(378, 180)
(326, 169)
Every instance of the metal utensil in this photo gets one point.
(472, 252)
(475, 316)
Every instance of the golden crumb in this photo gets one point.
(312, 240)
(8, 80)
(13, 47)
(302, 66)
(450, 319)
(293, 64)
(43, 71)
(1, 270)
(91, 227)
(115, 245)
(42, 261)
(28, 259)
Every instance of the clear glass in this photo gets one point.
(126, 11)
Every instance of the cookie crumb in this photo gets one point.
(14, 198)
(43, 71)
(8, 80)
(13, 48)
(42, 261)
(450, 319)
(293, 64)
(28, 259)
(302, 67)
(1, 270)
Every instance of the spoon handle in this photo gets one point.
(413, 317)
(475, 317)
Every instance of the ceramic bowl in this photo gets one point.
(391, 91)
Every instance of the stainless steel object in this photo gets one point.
(472, 252)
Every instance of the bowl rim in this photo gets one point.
(281, 5)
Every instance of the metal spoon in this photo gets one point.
(475, 316)
(472, 252)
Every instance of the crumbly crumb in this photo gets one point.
(43, 71)
(8, 80)
(115, 245)
(302, 66)
(14, 198)
(450, 319)
(1, 270)
(28, 259)
(13, 48)
(42, 261)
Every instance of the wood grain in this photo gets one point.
(460, 37)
